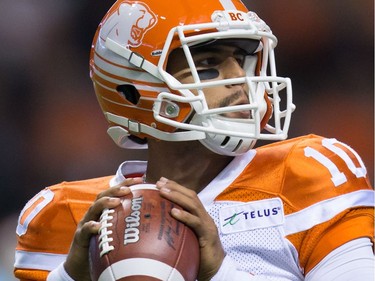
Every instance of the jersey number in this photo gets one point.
(32, 208)
(337, 176)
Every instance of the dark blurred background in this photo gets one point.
(53, 130)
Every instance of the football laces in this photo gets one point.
(104, 233)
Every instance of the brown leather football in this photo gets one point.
(140, 240)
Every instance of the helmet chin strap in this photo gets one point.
(225, 144)
(233, 147)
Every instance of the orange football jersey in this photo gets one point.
(279, 209)
(47, 224)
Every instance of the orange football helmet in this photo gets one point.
(141, 100)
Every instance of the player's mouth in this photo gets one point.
(237, 99)
(244, 114)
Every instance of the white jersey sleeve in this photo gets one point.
(346, 263)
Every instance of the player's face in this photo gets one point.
(215, 63)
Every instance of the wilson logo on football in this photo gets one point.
(139, 18)
(132, 222)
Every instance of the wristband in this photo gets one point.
(59, 274)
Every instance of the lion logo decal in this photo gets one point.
(129, 29)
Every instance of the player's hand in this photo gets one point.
(195, 216)
(77, 262)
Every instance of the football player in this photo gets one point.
(196, 85)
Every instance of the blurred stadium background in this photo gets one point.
(53, 130)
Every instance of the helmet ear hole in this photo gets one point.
(138, 140)
(129, 92)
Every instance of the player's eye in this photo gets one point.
(209, 61)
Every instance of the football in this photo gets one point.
(140, 240)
